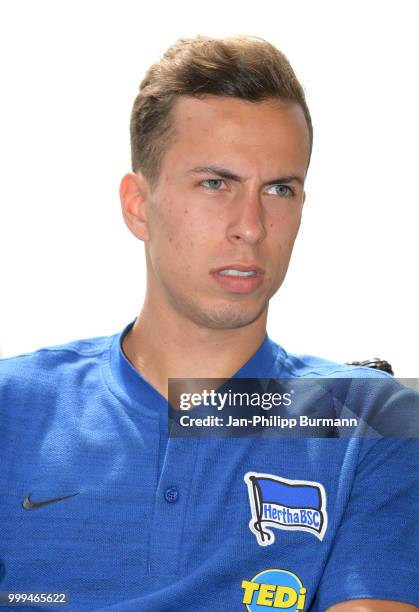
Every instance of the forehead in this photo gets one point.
(220, 129)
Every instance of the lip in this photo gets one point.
(239, 284)
(240, 268)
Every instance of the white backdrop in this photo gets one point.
(70, 71)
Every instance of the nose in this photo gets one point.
(247, 222)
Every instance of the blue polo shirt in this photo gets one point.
(151, 523)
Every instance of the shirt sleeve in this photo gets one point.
(375, 552)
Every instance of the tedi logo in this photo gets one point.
(274, 588)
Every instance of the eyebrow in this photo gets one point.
(227, 174)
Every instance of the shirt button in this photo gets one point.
(171, 495)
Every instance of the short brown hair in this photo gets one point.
(245, 67)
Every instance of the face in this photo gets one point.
(223, 217)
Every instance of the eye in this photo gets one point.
(213, 184)
(280, 190)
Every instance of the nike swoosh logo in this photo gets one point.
(29, 505)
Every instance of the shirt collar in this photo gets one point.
(265, 363)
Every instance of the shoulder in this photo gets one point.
(305, 365)
(48, 365)
(385, 405)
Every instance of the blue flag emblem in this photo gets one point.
(291, 505)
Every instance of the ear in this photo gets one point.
(133, 193)
(304, 197)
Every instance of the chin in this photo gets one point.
(227, 317)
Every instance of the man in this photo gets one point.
(98, 500)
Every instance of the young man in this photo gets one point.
(98, 501)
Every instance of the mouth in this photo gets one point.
(238, 278)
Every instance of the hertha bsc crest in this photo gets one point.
(291, 505)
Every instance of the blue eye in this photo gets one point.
(281, 190)
(214, 184)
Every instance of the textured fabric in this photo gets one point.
(157, 524)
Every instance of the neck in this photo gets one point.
(163, 345)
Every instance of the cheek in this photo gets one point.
(174, 240)
(283, 232)
(286, 227)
